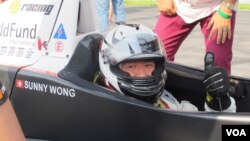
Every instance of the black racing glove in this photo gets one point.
(216, 83)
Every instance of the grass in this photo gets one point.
(244, 6)
(140, 2)
(153, 3)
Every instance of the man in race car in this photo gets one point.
(132, 62)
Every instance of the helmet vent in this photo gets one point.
(131, 50)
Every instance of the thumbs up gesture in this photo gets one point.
(216, 83)
(215, 79)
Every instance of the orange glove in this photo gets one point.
(166, 7)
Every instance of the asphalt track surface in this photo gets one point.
(192, 51)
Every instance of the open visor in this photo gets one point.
(134, 47)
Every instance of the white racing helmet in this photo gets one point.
(133, 42)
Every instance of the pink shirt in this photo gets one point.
(193, 10)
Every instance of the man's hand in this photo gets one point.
(166, 7)
(215, 79)
(216, 83)
(220, 25)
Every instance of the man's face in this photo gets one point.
(138, 68)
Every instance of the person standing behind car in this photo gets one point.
(103, 12)
(216, 18)
(111, 11)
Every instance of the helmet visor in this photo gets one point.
(139, 46)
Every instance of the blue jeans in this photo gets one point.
(103, 12)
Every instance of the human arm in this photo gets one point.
(216, 82)
(222, 24)
(1, 1)
(10, 129)
(166, 7)
(111, 12)
(168, 101)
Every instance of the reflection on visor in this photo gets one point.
(138, 45)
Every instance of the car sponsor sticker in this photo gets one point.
(39, 87)
(59, 46)
(16, 6)
(60, 33)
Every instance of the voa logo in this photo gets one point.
(236, 132)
